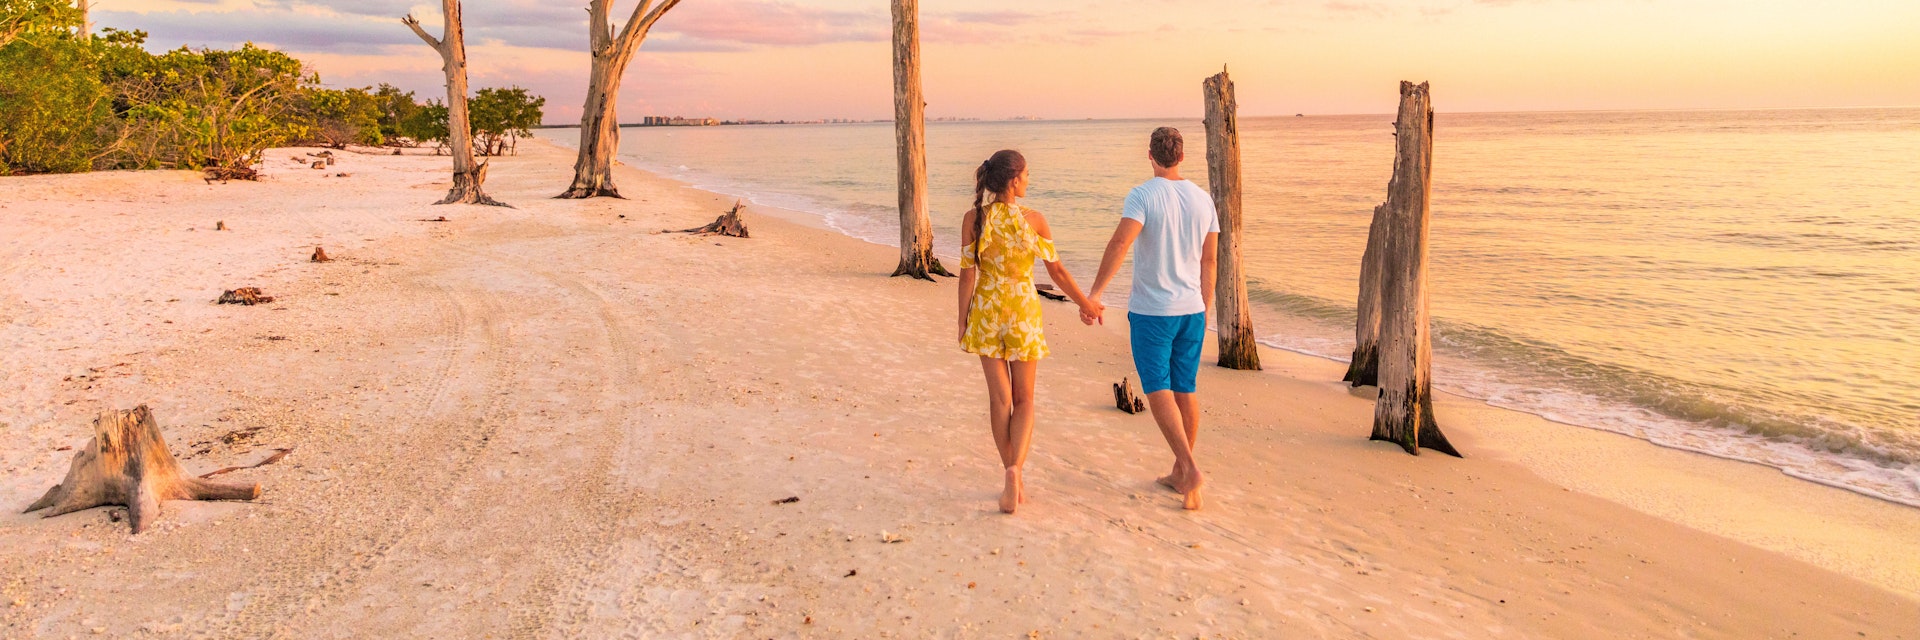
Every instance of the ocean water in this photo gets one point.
(1740, 283)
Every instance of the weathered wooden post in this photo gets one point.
(1404, 413)
(1235, 322)
(452, 47)
(909, 133)
(1364, 369)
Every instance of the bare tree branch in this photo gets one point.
(415, 25)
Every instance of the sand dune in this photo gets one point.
(553, 421)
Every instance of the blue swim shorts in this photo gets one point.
(1166, 350)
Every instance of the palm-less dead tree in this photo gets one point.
(1404, 413)
(451, 45)
(910, 138)
(599, 129)
(1237, 347)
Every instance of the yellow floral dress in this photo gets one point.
(1004, 321)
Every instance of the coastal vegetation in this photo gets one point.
(75, 101)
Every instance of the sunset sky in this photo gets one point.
(803, 59)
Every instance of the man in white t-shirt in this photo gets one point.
(1173, 223)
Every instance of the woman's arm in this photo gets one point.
(1090, 309)
(967, 275)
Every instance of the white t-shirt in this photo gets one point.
(1175, 217)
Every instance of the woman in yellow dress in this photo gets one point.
(999, 309)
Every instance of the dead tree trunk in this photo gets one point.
(86, 20)
(467, 176)
(1404, 413)
(910, 138)
(127, 463)
(599, 126)
(1364, 369)
(1234, 319)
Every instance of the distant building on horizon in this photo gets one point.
(677, 121)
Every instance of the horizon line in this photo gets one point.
(968, 119)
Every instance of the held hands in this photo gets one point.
(1092, 313)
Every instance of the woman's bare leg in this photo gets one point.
(1020, 427)
(999, 418)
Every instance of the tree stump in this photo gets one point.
(220, 225)
(728, 224)
(320, 255)
(127, 463)
(1364, 369)
(1124, 399)
(1403, 414)
(1231, 309)
(244, 295)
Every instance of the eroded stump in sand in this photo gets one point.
(1403, 414)
(1235, 320)
(1124, 399)
(220, 225)
(244, 295)
(728, 224)
(320, 255)
(127, 463)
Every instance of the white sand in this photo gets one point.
(553, 422)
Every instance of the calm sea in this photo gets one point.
(1740, 283)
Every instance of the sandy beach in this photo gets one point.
(556, 421)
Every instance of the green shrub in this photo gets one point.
(339, 117)
(500, 117)
(55, 113)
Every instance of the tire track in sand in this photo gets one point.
(387, 504)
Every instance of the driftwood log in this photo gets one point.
(244, 295)
(320, 255)
(910, 147)
(1124, 399)
(728, 224)
(1403, 414)
(1235, 322)
(1046, 291)
(127, 463)
(223, 174)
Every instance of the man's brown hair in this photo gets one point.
(1166, 147)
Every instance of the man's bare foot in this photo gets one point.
(1189, 484)
(1167, 480)
(1010, 496)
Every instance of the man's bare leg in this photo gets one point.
(1187, 478)
(1190, 418)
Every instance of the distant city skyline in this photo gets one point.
(991, 59)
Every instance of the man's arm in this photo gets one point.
(1209, 268)
(1117, 247)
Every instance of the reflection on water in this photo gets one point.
(1741, 283)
